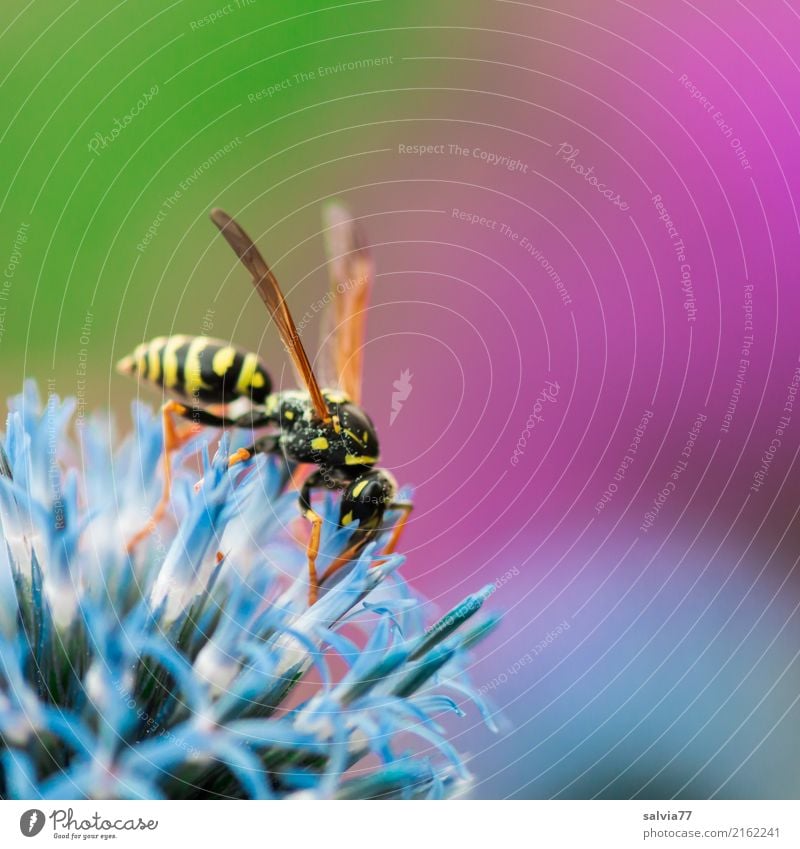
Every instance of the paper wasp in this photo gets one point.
(323, 427)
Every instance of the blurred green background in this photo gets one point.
(129, 117)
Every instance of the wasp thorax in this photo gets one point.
(347, 440)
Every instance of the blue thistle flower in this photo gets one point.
(194, 667)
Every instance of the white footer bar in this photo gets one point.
(403, 825)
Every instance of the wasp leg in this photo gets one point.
(312, 549)
(400, 525)
(311, 552)
(241, 455)
(174, 438)
(200, 416)
(298, 475)
(265, 445)
(342, 560)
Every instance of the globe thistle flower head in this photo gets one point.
(193, 665)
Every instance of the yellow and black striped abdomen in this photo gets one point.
(199, 368)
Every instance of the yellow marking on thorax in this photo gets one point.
(320, 443)
(357, 460)
(249, 376)
(192, 377)
(289, 414)
(347, 518)
(355, 438)
(170, 360)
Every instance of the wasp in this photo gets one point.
(324, 427)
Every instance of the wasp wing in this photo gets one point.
(352, 273)
(270, 292)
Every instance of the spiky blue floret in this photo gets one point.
(194, 667)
